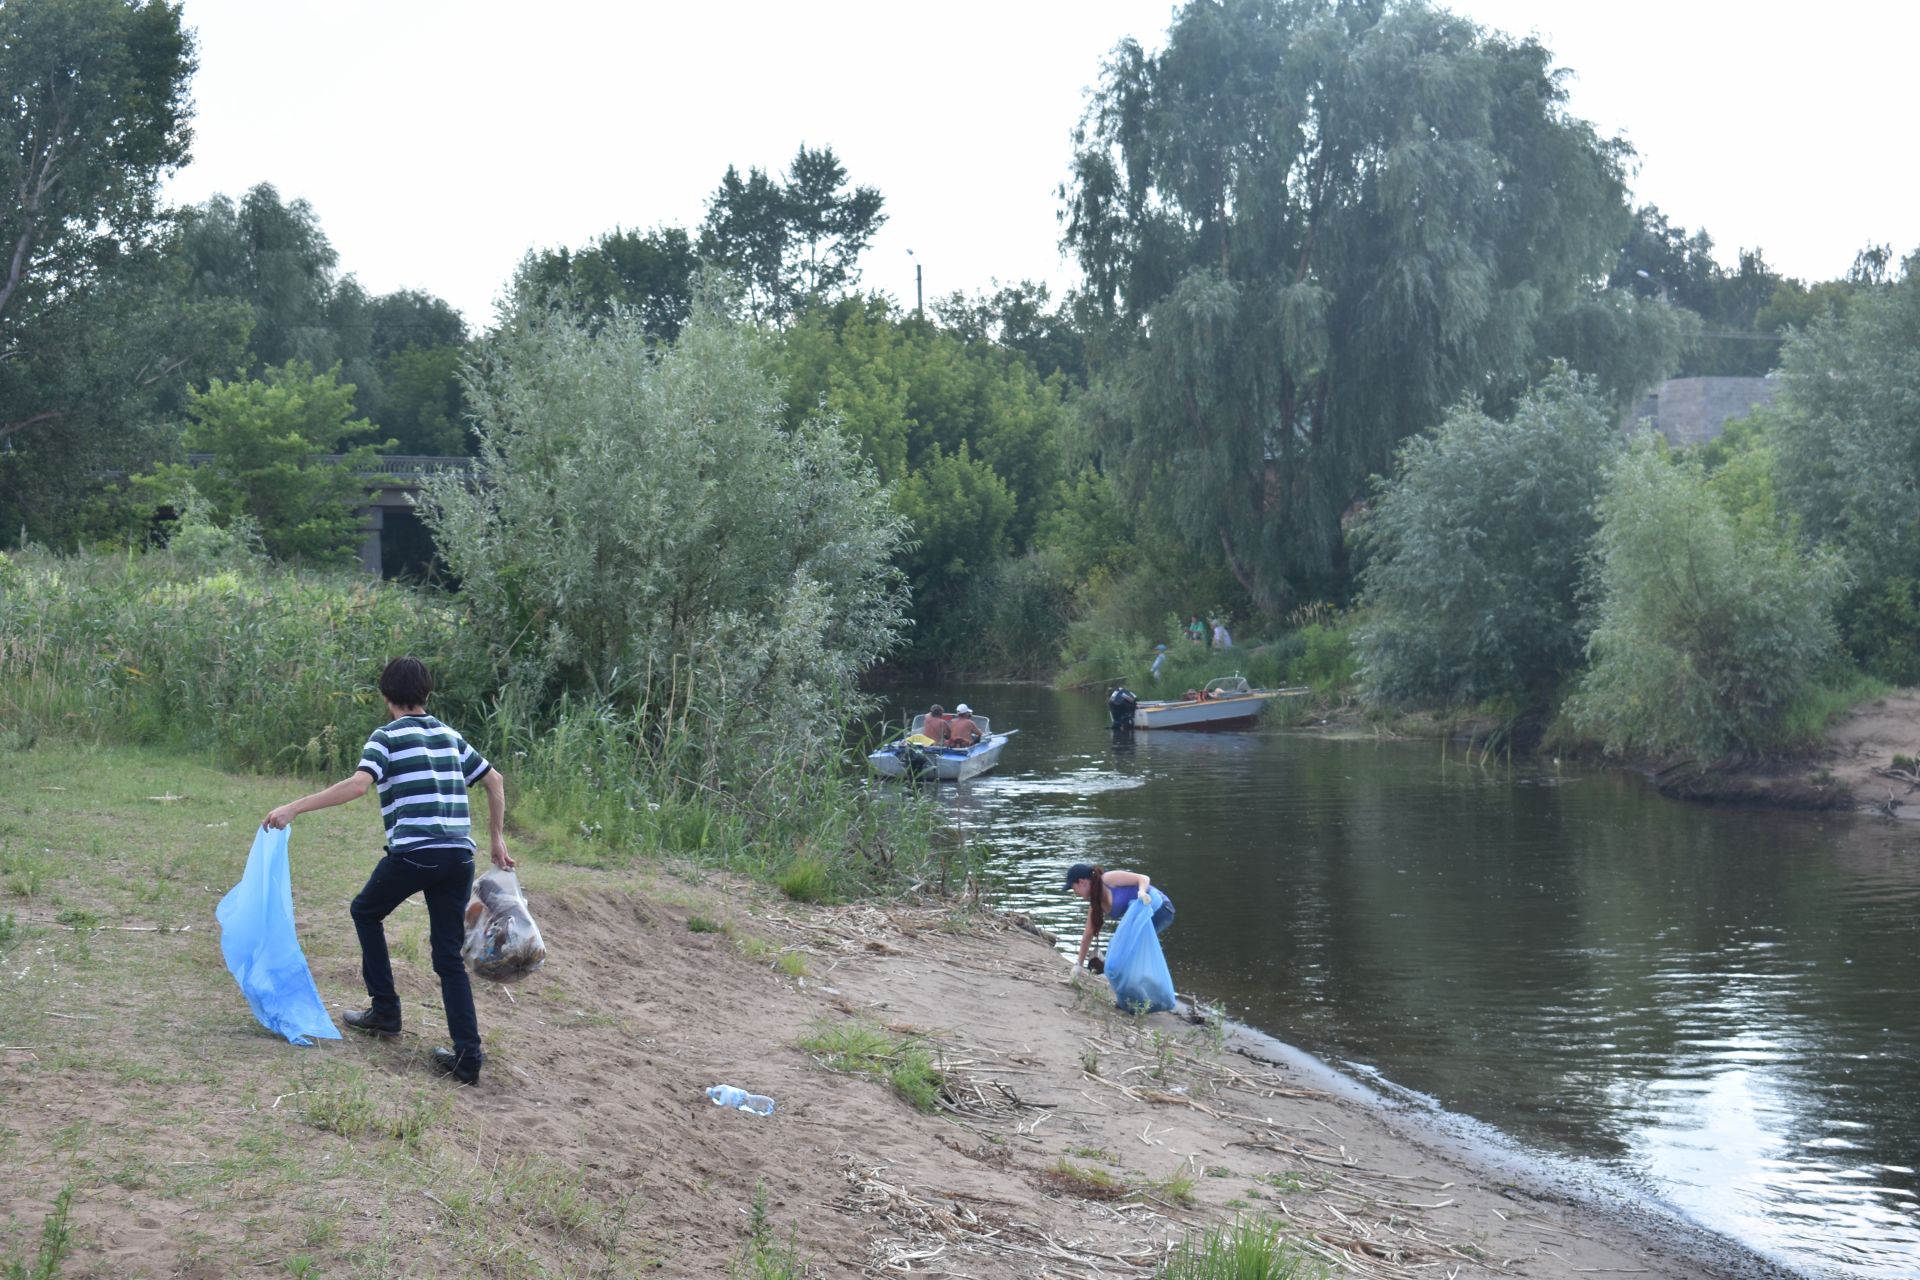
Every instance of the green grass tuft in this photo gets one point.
(865, 1049)
(1256, 1250)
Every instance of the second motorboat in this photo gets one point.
(1227, 703)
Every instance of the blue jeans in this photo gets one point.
(443, 877)
(1164, 916)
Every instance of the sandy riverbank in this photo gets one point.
(1072, 1142)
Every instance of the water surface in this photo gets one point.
(1720, 1005)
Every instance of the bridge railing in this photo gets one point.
(404, 466)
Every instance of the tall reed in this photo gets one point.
(269, 668)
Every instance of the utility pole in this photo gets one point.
(919, 298)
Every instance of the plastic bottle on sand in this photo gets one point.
(725, 1095)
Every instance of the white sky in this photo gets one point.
(439, 140)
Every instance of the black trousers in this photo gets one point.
(443, 877)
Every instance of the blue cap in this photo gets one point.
(1077, 872)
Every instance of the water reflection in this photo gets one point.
(1719, 1004)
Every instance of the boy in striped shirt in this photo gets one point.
(423, 770)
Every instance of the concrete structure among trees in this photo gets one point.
(1689, 411)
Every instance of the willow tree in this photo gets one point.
(1311, 227)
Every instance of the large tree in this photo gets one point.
(97, 338)
(96, 111)
(791, 240)
(1311, 226)
(651, 272)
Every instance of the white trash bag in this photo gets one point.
(503, 943)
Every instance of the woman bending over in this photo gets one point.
(1108, 895)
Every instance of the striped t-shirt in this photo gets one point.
(423, 770)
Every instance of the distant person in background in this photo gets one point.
(1159, 660)
(1197, 630)
(937, 726)
(1221, 639)
(965, 732)
(1109, 894)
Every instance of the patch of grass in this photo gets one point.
(344, 1103)
(1175, 1188)
(700, 924)
(1091, 1153)
(1804, 721)
(866, 1049)
(56, 1237)
(1077, 1180)
(1245, 1249)
(791, 963)
(806, 879)
(78, 918)
(25, 872)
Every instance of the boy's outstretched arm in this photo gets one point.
(497, 818)
(351, 787)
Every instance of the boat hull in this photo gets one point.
(943, 764)
(1217, 713)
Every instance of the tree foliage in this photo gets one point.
(965, 432)
(1847, 432)
(648, 518)
(1706, 625)
(97, 339)
(273, 256)
(96, 111)
(651, 272)
(263, 435)
(1476, 550)
(1313, 226)
(792, 240)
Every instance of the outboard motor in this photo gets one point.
(1120, 705)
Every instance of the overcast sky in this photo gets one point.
(438, 140)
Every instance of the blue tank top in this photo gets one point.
(1123, 897)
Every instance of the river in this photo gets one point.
(1718, 1006)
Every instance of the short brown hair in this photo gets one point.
(405, 683)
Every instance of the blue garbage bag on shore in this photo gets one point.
(1136, 968)
(263, 952)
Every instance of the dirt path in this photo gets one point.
(1071, 1142)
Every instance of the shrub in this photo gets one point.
(1476, 547)
(652, 538)
(1706, 628)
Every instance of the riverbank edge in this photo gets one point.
(1853, 769)
(1422, 1125)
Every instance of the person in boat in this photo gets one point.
(964, 732)
(1109, 895)
(937, 728)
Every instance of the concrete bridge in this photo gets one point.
(395, 542)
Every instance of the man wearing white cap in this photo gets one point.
(963, 732)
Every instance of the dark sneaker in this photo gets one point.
(367, 1021)
(464, 1069)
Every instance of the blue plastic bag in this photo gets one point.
(263, 952)
(1136, 969)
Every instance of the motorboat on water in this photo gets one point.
(1227, 703)
(922, 761)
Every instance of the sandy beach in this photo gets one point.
(1068, 1140)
